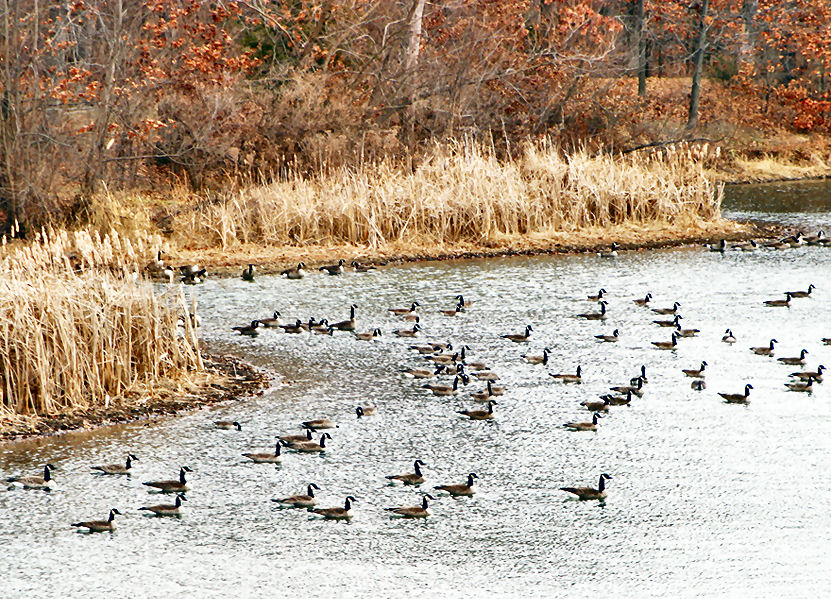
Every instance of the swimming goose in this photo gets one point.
(166, 509)
(610, 253)
(294, 329)
(634, 380)
(569, 378)
(795, 361)
(803, 293)
(780, 303)
(297, 272)
(336, 513)
(297, 438)
(195, 277)
(430, 348)
(402, 311)
(543, 359)
(475, 366)
(273, 322)
(697, 373)
(698, 385)
(745, 246)
(248, 273)
(34, 482)
(319, 423)
(464, 490)
(583, 426)
(414, 317)
(444, 390)
(484, 395)
(644, 301)
(519, 338)
(637, 388)
(265, 457)
(228, 425)
(347, 325)
(816, 375)
(596, 315)
(445, 358)
(826, 340)
(779, 244)
(454, 312)
(665, 311)
(675, 322)
(323, 328)
(117, 468)
(609, 338)
(334, 269)
(480, 414)
(171, 486)
(687, 332)
(362, 267)
(307, 500)
(764, 350)
(413, 332)
(589, 492)
(412, 512)
(728, 337)
(368, 410)
(597, 406)
(99, 525)
(596, 297)
(801, 386)
(717, 247)
(818, 239)
(463, 302)
(250, 330)
(618, 400)
(422, 373)
(310, 446)
(667, 344)
(795, 241)
(738, 397)
(485, 375)
(411, 478)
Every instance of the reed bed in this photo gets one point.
(464, 194)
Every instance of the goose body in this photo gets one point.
(687, 332)
(569, 378)
(418, 511)
(367, 410)
(411, 478)
(596, 315)
(422, 373)
(413, 332)
(402, 311)
(444, 390)
(248, 273)
(610, 253)
(618, 400)
(521, 337)
(826, 340)
(107, 525)
(797, 361)
(747, 246)
(738, 397)
(334, 269)
(298, 272)
(583, 426)
(228, 425)
(803, 293)
(485, 394)
(698, 385)
(249, 330)
(116, 468)
(765, 350)
(336, 513)
(485, 375)
(171, 486)
(816, 375)
(669, 323)
(372, 335)
(273, 322)
(667, 344)
(721, 246)
(319, 423)
(818, 239)
(780, 303)
(463, 490)
(696, 372)
(362, 267)
(801, 386)
(665, 311)
(644, 301)
(166, 509)
(479, 414)
(586, 493)
(311, 446)
(307, 500)
(636, 389)
(728, 337)
(347, 325)
(430, 348)
(454, 312)
(34, 482)
(597, 406)
(597, 296)
(297, 438)
(543, 359)
(615, 336)
(265, 457)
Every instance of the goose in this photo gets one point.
(667, 344)
(780, 244)
(444, 390)
(717, 247)
(521, 337)
(166, 509)
(637, 388)
(598, 296)
(826, 340)
(347, 325)
(297, 438)
(665, 311)
(543, 359)
(362, 411)
(618, 400)
(589, 492)
(780, 303)
(445, 358)
(818, 239)
(569, 378)
(248, 273)
(746, 246)
(803, 293)
(430, 348)
(116, 468)
(413, 332)
(34, 482)
(107, 525)
(454, 312)
(414, 317)
(480, 414)
(336, 513)
(171, 486)
(294, 329)
(319, 423)
(476, 366)
(634, 380)
(643, 301)
(675, 322)
(816, 375)
(764, 350)
(307, 500)
(696, 373)
(323, 328)
(463, 490)
(801, 386)
(597, 406)
(698, 385)
(615, 336)
(738, 397)
(485, 394)
(298, 272)
(402, 311)
(728, 337)
(413, 511)
(687, 332)
(273, 322)
(334, 269)
(422, 373)
(610, 253)
(795, 361)
(485, 375)
(195, 277)
(249, 330)
(795, 241)
(411, 478)
(228, 425)
(311, 446)
(265, 457)
(362, 267)
(596, 315)
(583, 426)
(463, 302)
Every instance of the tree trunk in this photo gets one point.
(698, 62)
(639, 35)
(413, 49)
(748, 34)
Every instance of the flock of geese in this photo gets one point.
(442, 359)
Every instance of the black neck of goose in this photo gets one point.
(594, 418)
(310, 491)
(545, 358)
(424, 503)
(277, 449)
(602, 485)
(417, 468)
(182, 475)
(463, 354)
(490, 388)
(490, 407)
(178, 502)
(47, 474)
(352, 313)
(347, 505)
(469, 480)
(323, 440)
(579, 372)
(456, 384)
(129, 463)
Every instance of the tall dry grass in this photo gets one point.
(463, 193)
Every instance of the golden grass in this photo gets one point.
(777, 168)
